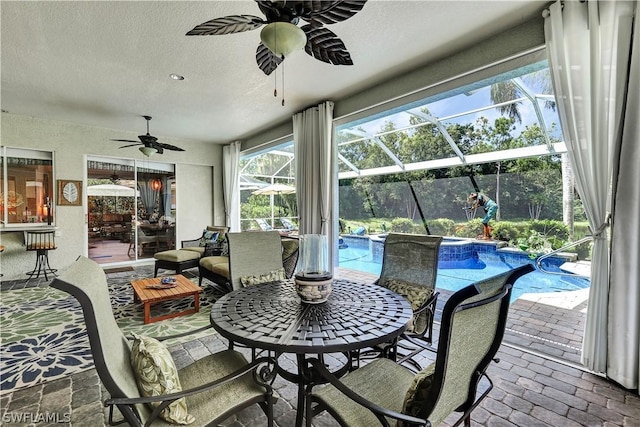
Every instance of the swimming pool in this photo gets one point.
(462, 264)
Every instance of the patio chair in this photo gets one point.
(409, 268)
(288, 224)
(263, 224)
(472, 328)
(255, 257)
(212, 388)
(145, 242)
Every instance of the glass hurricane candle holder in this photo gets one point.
(313, 279)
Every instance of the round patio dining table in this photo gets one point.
(272, 317)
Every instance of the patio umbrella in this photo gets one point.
(275, 189)
(112, 190)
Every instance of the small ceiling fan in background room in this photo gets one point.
(150, 144)
(281, 34)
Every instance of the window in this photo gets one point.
(267, 189)
(26, 186)
(410, 169)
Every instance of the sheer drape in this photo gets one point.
(314, 152)
(148, 195)
(588, 46)
(166, 197)
(231, 182)
(624, 293)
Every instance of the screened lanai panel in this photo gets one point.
(276, 163)
(512, 111)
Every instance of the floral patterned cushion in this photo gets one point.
(208, 237)
(415, 294)
(418, 390)
(257, 279)
(156, 374)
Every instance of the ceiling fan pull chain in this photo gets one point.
(275, 74)
(275, 83)
(283, 84)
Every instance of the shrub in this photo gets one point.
(402, 225)
(550, 228)
(506, 231)
(469, 229)
(441, 226)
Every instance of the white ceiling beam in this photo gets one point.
(494, 156)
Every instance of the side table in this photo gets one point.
(144, 292)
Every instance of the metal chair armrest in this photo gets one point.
(430, 303)
(260, 375)
(183, 334)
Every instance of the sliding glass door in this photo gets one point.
(131, 209)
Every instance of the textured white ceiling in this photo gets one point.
(106, 63)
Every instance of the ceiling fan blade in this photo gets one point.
(330, 12)
(325, 46)
(167, 146)
(125, 140)
(266, 60)
(227, 25)
(147, 139)
(131, 145)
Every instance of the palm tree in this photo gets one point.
(507, 90)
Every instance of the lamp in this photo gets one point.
(147, 151)
(156, 184)
(282, 38)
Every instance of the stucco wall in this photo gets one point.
(198, 181)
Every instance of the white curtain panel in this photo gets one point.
(624, 293)
(312, 137)
(313, 150)
(588, 48)
(231, 183)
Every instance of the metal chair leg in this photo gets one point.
(42, 266)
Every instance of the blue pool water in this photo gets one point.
(457, 268)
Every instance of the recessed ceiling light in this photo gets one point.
(176, 76)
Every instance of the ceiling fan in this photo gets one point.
(150, 144)
(281, 35)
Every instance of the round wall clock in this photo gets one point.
(69, 192)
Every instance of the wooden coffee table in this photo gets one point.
(144, 292)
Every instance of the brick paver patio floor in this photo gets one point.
(538, 381)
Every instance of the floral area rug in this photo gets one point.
(43, 335)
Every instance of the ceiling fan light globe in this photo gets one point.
(148, 151)
(283, 38)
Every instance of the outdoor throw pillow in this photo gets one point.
(257, 279)
(156, 374)
(418, 390)
(208, 237)
(415, 294)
